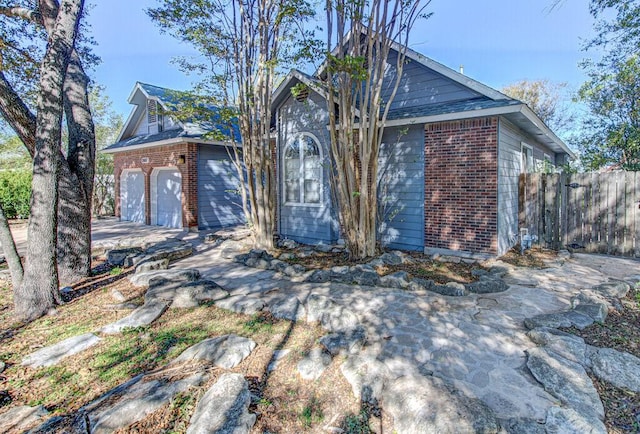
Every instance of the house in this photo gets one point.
(170, 172)
(452, 153)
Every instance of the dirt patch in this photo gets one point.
(621, 331)
(532, 258)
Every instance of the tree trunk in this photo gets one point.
(77, 169)
(10, 251)
(39, 290)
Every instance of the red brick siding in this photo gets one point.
(163, 156)
(461, 185)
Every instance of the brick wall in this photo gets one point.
(163, 156)
(461, 185)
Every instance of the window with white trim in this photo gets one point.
(303, 171)
(527, 158)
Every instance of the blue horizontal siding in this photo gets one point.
(401, 188)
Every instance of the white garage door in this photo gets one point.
(168, 183)
(132, 196)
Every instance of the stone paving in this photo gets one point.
(475, 343)
(473, 349)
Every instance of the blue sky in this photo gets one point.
(498, 42)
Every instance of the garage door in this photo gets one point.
(132, 196)
(218, 202)
(168, 183)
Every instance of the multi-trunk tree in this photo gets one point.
(362, 82)
(610, 134)
(243, 44)
(59, 237)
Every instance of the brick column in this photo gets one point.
(461, 185)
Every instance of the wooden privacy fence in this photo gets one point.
(597, 212)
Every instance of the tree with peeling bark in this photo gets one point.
(39, 291)
(360, 92)
(243, 44)
(26, 26)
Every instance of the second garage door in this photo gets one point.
(168, 195)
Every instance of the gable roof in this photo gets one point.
(193, 130)
(489, 102)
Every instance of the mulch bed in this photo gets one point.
(422, 266)
(620, 331)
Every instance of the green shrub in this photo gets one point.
(15, 192)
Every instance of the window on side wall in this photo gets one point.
(527, 158)
(303, 171)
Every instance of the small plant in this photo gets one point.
(357, 423)
(116, 271)
(311, 414)
(258, 323)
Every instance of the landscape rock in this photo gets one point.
(117, 295)
(419, 284)
(51, 355)
(313, 364)
(287, 256)
(246, 304)
(158, 277)
(399, 279)
(288, 308)
(391, 259)
(597, 312)
(566, 380)
(453, 289)
(567, 345)
(319, 276)
(424, 405)
(618, 368)
(224, 408)
(324, 248)
(20, 418)
(223, 351)
(2, 367)
(117, 257)
(294, 270)
(171, 250)
(558, 320)
(160, 264)
(613, 289)
(142, 316)
(134, 400)
(349, 341)
(568, 421)
(185, 294)
(288, 244)
(487, 284)
(523, 426)
(363, 275)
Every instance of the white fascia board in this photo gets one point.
(174, 141)
(495, 111)
(126, 124)
(535, 120)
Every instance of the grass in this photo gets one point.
(81, 378)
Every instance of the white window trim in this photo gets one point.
(123, 187)
(524, 146)
(154, 191)
(321, 204)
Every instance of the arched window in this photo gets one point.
(303, 170)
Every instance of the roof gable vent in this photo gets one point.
(152, 111)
